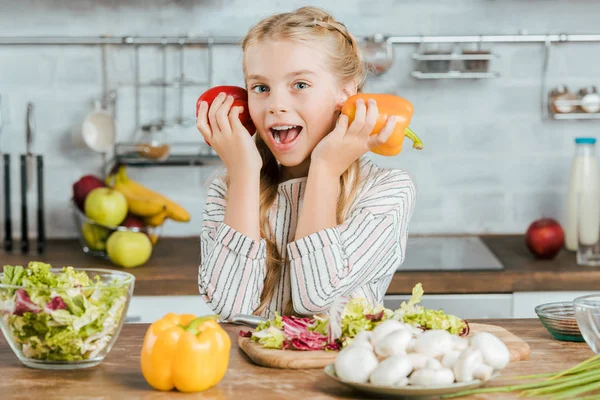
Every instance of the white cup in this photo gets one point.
(98, 131)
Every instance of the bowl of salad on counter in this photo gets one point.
(62, 318)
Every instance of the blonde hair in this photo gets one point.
(304, 25)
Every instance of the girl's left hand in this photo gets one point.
(345, 144)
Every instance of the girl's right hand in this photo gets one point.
(227, 136)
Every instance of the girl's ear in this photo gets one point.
(347, 90)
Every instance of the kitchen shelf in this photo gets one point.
(454, 56)
(582, 115)
(454, 75)
(183, 154)
(175, 84)
(452, 62)
(572, 116)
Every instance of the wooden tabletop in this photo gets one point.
(173, 269)
(119, 376)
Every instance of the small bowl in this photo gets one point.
(559, 319)
(67, 327)
(93, 236)
(587, 312)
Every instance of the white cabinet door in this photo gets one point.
(466, 306)
(147, 309)
(524, 303)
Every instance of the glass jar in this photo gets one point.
(589, 99)
(440, 65)
(378, 54)
(559, 94)
(475, 50)
(152, 143)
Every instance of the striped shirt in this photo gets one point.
(357, 258)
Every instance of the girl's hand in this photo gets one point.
(227, 136)
(345, 144)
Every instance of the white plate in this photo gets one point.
(404, 391)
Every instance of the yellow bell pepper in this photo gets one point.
(185, 352)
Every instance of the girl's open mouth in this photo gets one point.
(285, 136)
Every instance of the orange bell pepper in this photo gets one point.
(387, 106)
(184, 352)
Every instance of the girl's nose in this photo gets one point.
(277, 109)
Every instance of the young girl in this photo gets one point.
(301, 217)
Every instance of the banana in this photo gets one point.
(143, 206)
(157, 219)
(174, 210)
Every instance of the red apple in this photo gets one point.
(545, 238)
(83, 187)
(133, 222)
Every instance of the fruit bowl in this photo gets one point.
(93, 236)
(55, 318)
(559, 319)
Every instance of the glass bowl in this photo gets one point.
(93, 236)
(559, 320)
(67, 326)
(587, 312)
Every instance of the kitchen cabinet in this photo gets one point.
(468, 306)
(524, 303)
(147, 309)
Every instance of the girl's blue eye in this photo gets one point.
(300, 85)
(260, 89)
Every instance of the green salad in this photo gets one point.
(346, 319)
(64, 316)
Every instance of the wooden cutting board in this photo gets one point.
(294, 359)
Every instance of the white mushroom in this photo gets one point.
(391, 370)
(363, 339)
(401, 382)
(450, 358)
(432, 363)
(418, 360)
(429, 377)
(483, 372)
(494, 351)
(384, 329)
(460, 343)
(434, 343)
(467, 362)
(393, 344)
(355, 364)
(410, 347)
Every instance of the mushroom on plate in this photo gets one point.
(429, 377)
(434, 343)
(355, 364)
(494, 351)
(391, 371)
(470, 366)
(393, 344)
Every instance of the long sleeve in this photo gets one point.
(359, 256)
(232, 265)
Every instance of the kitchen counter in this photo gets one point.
(173, 269)
(119, 376)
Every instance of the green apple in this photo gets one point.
(128, 249)
(95, 236)
(106, 206)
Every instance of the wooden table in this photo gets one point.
(119, 376)
(173, 269)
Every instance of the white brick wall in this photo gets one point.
(476, 173)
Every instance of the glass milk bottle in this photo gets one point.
(584, 190)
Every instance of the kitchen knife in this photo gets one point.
(24, 221)
(248, 320)
(8, 243)
(28, 142)
(41, 234)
